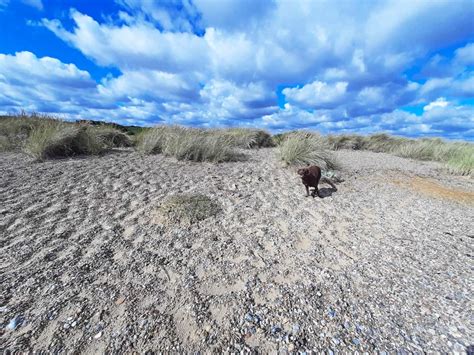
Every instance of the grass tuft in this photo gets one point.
(54, 138)
(457, 156)
(300, 148)
(189, 144)
(187, 209)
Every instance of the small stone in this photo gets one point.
(98, 335)
(15, 322)
(296, 328)
(291, 347)
(356, 341)
(276, 329)
(249, 317)
(120, 300)
(66, 326)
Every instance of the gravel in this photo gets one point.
(383, 264)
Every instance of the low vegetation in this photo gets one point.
(247, 138)
(44, 137)
(301, 148)
(187, 209)
(457, 156)
(213, 145)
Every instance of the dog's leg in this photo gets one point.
(307, 190)
(316, 192)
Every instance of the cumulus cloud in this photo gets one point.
(339, 66)
(42, 84)
(140, 45)
(317, 94)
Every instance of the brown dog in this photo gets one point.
(310, 176)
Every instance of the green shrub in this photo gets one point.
(306, 148)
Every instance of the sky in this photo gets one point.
(404, 67)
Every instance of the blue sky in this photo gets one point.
(405, 67)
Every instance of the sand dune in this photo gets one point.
(384, 263)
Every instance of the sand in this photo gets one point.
(384, 263)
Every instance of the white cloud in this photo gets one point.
(133, 47)
(340, 65)
(440, 102)
(317, 94)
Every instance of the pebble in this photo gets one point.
(331, 313)
(356, 341)
(296, 328)
(276, 329)
(15, 322)
(98, 335)
(291, 347)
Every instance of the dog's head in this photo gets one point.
(303, 171)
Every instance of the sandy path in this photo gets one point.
(385, 263)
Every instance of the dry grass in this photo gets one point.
(457, 156)
(44, 137)
(53, 138)
(186, 209)
(14, 131)
(300, 148)
(247, 138)
(193, 144)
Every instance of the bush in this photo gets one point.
(187, 209)
(189, 144)
(306, 148)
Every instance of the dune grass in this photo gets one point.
(14, 131)
(458, 157)
(213, 145)
(247, 138)
(301, 148)
(45, 137)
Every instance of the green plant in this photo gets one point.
(188, 144)
(53, 138)
(111, 137)
(306, 148)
